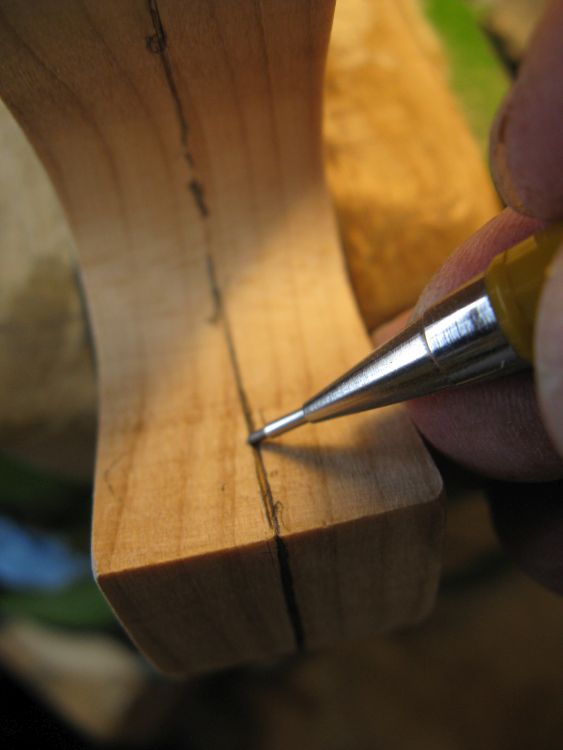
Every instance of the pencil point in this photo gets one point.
(255, 437)
(278, 427)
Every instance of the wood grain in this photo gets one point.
(408, 179)
(184, 142)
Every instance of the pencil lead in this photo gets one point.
(278, 427)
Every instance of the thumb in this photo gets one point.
(549, 352)
(526, 141)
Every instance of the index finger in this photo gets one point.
(526, 148)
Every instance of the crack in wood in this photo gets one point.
(273, 509)
(198, 193)
(157, 43)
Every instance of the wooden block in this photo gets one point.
(184, 141)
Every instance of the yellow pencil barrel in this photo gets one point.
(514, 281)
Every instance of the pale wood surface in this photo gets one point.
(184, 142)
(408, 179)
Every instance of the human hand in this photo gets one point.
(512, 429)
(509, 429)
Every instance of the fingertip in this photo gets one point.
(526, 146)
(494, 428)
(498, 156)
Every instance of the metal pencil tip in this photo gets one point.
(278, 427)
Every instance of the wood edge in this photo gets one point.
(133, 589)
(381, 609)
(137, 588)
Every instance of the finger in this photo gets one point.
(526, 146)
(492, 428)
(549, 352)
(385, 331)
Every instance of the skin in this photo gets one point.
(512, 429)
(495, 429)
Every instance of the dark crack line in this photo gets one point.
(157, 43)
(271, 507)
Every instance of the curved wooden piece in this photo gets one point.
(408, 180)
(184, 141)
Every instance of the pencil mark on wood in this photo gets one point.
(219, 313)
(157, 43)
(107, 477)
